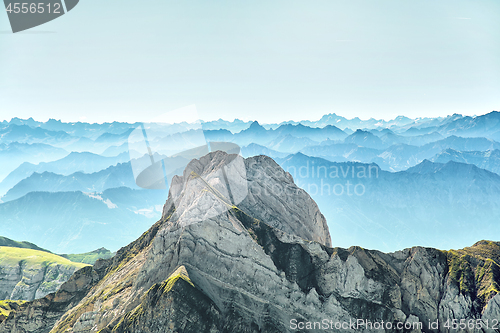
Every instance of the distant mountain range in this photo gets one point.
(74, 162)
(451, 203)
(14, 154)
(77, 222)
(114, 176)
(488, 160)
(42, 160)
(27, 134)
(397, 157)
(266, 264)
(254, 149)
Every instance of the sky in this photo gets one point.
(270, 61)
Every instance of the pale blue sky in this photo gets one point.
(267, 60)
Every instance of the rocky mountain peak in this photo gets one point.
(219, 181)
(255, 125)
(252, 267)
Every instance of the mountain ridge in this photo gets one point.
(245, 275)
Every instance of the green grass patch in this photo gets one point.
(4, 241)
(476, 269)
(13, 256)
(89, 257)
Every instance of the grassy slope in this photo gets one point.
(89, 257)
(4, 241)
(476, 269)
(10, 256)
(86, 258)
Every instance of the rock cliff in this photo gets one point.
(27, 274)
(264, 264)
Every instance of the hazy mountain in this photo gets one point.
(381, 131)
(340, 152)
(462, 144)
(316, 134)
(82, 129)
(396, 157)
(115, 150)
(253, 134)
(115, 139)
(425, 125)
(263, 265)
(278, 137)
(390, 139)
(221, 135)
(354, 123)
(74, 162)
(75, 222)
(18, 121)
(488, 160)
(26, 134)
(254, 149)
(416, 131)
(400, 157)
(233, 126)
(480, 126)
(174, 143)
(114, 176)
(290, 144)
(365, 139)
(383, 210)
(14, 154)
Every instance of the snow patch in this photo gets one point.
(98, 197)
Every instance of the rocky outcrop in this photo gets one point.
(222, 269)
(41, 314)
(257, 185)
(27, 274)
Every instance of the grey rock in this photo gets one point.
(252, 267)
(22, 282)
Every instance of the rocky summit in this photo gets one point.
(240, 248)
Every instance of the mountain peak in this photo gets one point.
(219, 182)
(253, 265)
(255, 125)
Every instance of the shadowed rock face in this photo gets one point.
(256, 185)
(253, 268)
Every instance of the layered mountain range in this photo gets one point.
(450, 204)
(232, 253)
(85, 175)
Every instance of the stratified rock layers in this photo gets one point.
(257, 267)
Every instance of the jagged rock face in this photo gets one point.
(256, 185)
(41, 314)
(21, 282)
(233, 272)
